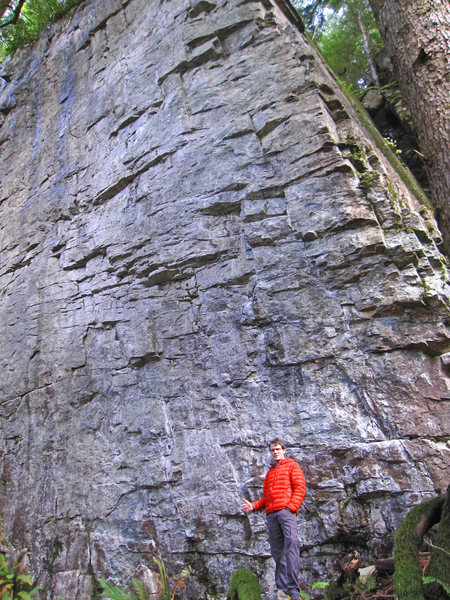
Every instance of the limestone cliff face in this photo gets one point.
(201, 248)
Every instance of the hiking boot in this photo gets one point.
(282, 596)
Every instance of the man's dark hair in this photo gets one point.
(278, 441)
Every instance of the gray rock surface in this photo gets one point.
(202, 248)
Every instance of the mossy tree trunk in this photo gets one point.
(415, 35)
(439, 566)
(408, 578)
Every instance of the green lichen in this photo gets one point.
(443, 267)
(358, 158)
(394, 196)
(426, 288)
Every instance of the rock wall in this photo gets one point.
(202, 248)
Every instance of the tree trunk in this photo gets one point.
(416, 38)
(366, 46)
(439, 566)
(408, 584)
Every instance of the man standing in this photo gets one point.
(283, 493)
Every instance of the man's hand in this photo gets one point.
(246, 505)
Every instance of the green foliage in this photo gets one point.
(244, 585)
(341, 43)
(350, 590)
(114, 592)
(166, 590)
(363, 586)
(164, 580)
(368, 180)
(179, 581)
(34, 17)
(346, 34)
(318, 584)
(14, 583)
(393, 145)
(141, 591)
(334, 591)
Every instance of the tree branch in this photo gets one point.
(15, 15)
(4, 5)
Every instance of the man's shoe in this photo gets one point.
(282, 596)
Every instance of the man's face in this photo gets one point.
(277, 452)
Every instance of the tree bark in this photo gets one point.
(366, 46)
(439, 566)
(416, 35)
(408, 584)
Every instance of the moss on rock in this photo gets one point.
(244, 585)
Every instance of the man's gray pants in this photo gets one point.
(285, 550)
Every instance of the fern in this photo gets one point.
(14, 584)
(179, 581)
(141, 591)
(164, 581)
(115, 592)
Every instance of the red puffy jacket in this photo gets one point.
(284, 487)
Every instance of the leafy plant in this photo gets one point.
(364, 585)
(358, 589)
(14, 583)
(114, 592)
(141, 592)
(35, 15)
(179, 581)
(347, 36)
(318, 584)
(393, 145)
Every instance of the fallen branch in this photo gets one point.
(437, 547)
